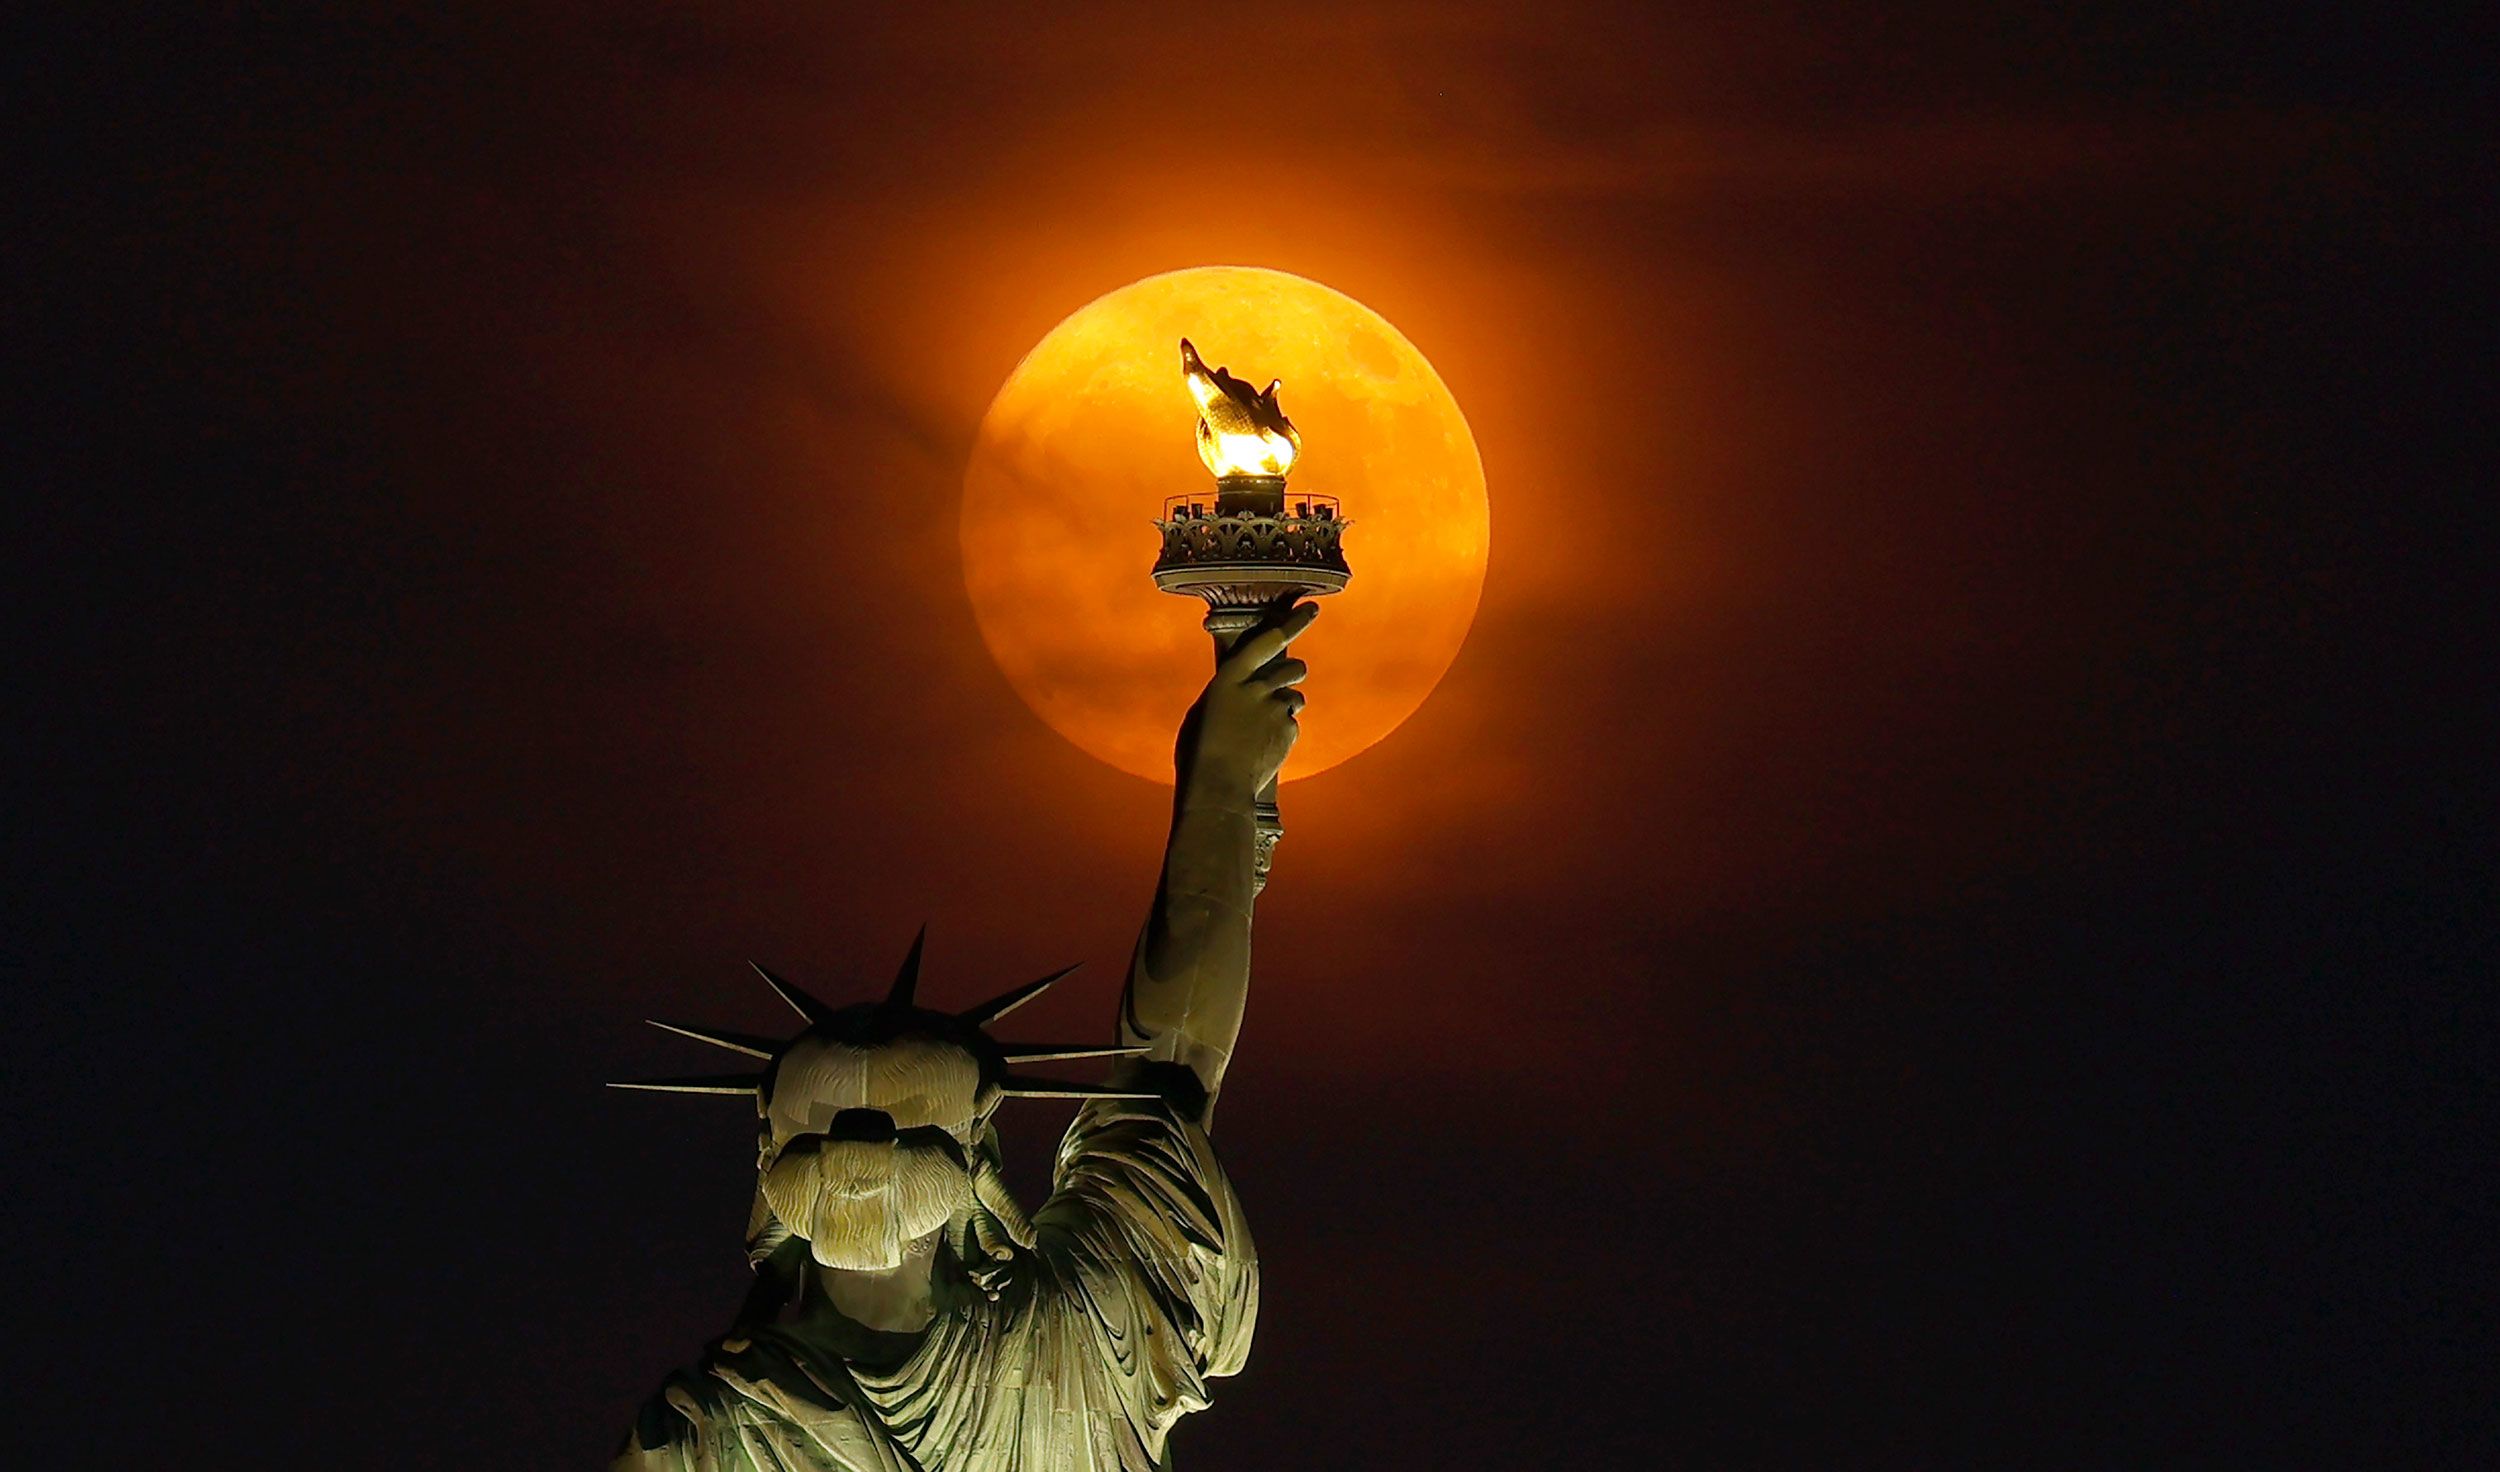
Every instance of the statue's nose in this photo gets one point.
(866, 1125)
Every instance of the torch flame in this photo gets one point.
(1239, 432)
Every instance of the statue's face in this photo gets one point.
(866, 1148)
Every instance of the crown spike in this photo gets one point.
(718, 1083)
(1056, 1052)
(1047, 1088)
(907, 980)
(735, 1042)
(800, 1002)
(999, 1006)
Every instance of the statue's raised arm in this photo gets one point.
(1191, 975)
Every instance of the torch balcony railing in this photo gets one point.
(1310, 533)
(1297, 508)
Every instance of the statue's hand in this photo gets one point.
(1239, 732)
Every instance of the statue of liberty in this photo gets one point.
(908, 1315)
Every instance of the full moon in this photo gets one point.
(1093, 430)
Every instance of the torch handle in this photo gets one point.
(1227, 625)
(1271, 828)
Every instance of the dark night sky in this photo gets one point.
(1943, 916)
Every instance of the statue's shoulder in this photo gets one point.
(1146, 1242)
(1141, 1162)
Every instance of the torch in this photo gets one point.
(1247, 550)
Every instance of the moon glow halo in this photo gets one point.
(1093, 430)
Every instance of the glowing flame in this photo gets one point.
(1239, 432)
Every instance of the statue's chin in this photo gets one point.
(861, 1207)
(872, 1234)
(859, 1255)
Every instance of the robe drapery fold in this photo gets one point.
(1142, 1284)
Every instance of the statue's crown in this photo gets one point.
(890, 1020)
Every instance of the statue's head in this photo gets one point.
(876, 1117)
(870, 1123)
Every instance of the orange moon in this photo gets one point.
(1094, 429)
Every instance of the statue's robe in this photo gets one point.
(1141, 1285)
